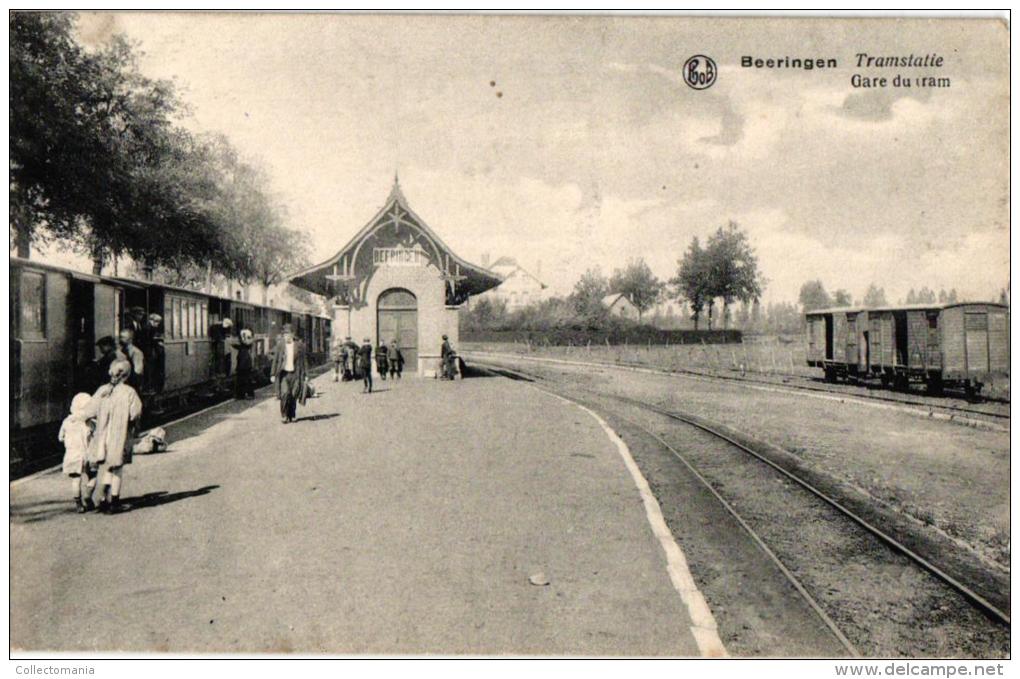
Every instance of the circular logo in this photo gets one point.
(700, 72)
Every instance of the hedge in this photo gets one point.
(581, 337)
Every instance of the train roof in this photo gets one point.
(136, 283)
(836, 310)
(934, 306)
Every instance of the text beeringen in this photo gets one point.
(788, 62)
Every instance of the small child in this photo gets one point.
(75, 433)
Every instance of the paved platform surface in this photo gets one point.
(405, 521)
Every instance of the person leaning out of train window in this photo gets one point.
(116, 408)
(98, 370)
(136, 321)
(289, 372)
(134, 356)
(243, 386)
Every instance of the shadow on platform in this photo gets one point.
(162, 497)
(316, 418)
(34, 512)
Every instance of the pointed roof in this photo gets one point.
(473, 279)
(610, 300)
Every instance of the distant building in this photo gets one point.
(396, 280)
(620, 305)
(519, 287)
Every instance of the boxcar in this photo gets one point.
(837, 341)
(974, 341)
(961, 345)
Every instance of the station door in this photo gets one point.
(398, 319)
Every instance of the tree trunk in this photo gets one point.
(23, 240)
(148, 266)
(98, 260)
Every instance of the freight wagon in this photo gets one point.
(959, 345)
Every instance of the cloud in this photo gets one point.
(598, 152)
(878, 105)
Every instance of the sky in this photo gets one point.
(590, 150)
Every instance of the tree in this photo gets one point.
(733, 268)
(922, 296)
(99, 162)
(813, 296)
(875, 297)
(947, 297)
(589, 291)
(842, 298)
(692, 282)
(637, 282)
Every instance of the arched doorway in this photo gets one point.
(398, 320)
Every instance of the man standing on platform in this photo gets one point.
(289, 372)
(365, 365)
(448, 356)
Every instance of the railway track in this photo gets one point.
(992, 613)
(930, 405)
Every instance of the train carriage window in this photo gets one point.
(192, 319)
(203, 315)
(975, 321)
(32, 323)
(178, 320)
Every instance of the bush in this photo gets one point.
(558, 322)
(614, 336)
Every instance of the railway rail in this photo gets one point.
(992, 612)
(953, 412)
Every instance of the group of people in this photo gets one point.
(140, 343)
(98, 436)
(351, 362)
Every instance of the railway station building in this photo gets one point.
(397, 280)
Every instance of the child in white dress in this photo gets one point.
(76, 434)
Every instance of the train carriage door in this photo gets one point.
(975, 327)
(851, 340)
(81, 319)
(874, 342)
(900, 335)
(398, 320)
(828, 337)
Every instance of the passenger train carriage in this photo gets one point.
(956, 345)
(57, 315)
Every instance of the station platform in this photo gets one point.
(413, 520)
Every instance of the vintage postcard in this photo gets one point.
(510, 335)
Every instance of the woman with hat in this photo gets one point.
(289, 372)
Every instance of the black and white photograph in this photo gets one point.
(510, 335)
